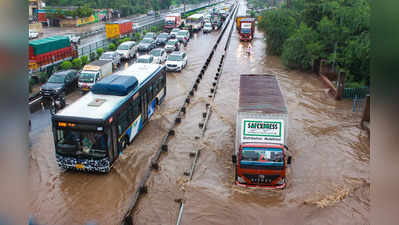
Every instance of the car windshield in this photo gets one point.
(261, 155)
(56, 79)
(156, 52)
(207, 25)
(106, 56)
(175, 30)
(87, 77)
(163, 36)
(174, 58)
(146, 41)
(81, 142)
(143, 60)
(172, 42)
(149, 35)
(181, 33)
(123, 47)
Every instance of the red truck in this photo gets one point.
(260, 155)
(49, 51)
(246, 29)
(172, 21)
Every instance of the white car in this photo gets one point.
(174, 32)
(207, 28)
(183, 36)
(111, 56)
(33, 34)
(74, 38)
(159, 55)
(127, 50)
(147, 59)
(176, 61)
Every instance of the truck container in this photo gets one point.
(238, 20)
(118, 29)
(172, 21)
(49, 51)
(92, 73)
(247, 29)
(260, 155)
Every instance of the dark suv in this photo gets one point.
(60, 82)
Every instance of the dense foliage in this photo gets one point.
(335, 30)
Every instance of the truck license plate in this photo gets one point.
(85, 89)
(79, 166)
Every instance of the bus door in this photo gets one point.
(115, 144)
(144, 105)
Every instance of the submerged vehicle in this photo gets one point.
(261, 133)
(91, 133)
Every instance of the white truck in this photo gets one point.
(92, 73)
(260, 156)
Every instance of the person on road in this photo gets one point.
(249, 49)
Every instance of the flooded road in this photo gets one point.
(328, 181)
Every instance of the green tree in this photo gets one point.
(112, 47)
(301, 48)
(278, 25)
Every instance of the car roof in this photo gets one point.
(148, 39)
(145, 56)
(109, 52)
(63, 72)
(128, 43)
(177, 53)
(157, 49)
(152, 33)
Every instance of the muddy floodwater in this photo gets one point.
(328, 180)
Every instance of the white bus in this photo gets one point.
(91, 133)
(196, 21)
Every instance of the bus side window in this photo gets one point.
(149, 92)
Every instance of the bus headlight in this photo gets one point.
(241, 180)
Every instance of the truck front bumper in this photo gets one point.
(268, 187)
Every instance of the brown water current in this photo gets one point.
(328, 180)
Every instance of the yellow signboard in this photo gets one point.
(112, 30)
(86, 20)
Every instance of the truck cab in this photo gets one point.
(261, 165)
(260, 156)
(87, 79)
(246, 29)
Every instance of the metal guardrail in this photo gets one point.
(92, 47)
(358, 93)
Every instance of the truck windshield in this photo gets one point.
(245, 30)
(81, 143)
(261, 155)
(87, 77)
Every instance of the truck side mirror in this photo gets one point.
(289, 160)
(234, 159)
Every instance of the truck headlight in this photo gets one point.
(281, 181)
(241, 180)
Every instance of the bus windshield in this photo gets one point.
(261, 155)
(82, 143)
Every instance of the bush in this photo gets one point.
(43, 77)
(66, 65)
(92, 56)
(301, 48)
(112, 47)
(84, 60)
(120, 41)
(76, 63)
(137, 36)
(153, 29)
(99, 52)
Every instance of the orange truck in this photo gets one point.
(260, 156)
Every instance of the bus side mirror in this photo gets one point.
(234, 159)
(289, 160)
(286, 147)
